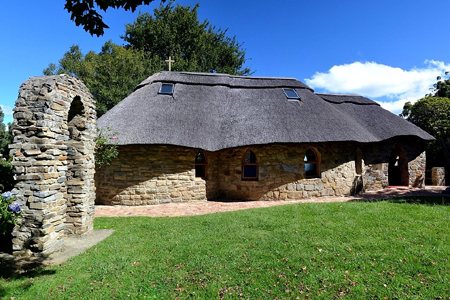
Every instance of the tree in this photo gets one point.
(110, 75)
(6, 169)
(116, 70)
(432, 114)
(441, 88)
(5, 136)
(195, 46)
(84, 13)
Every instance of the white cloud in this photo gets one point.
(7, 110)
(374, 80)
(395, 106)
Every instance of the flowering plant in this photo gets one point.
(10, 212)
(105, 147)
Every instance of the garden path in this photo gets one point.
(208, 207)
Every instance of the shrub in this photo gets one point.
(105, 147)
(6, 175)
(10, 212)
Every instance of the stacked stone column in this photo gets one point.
(438, 176)
(53, 157)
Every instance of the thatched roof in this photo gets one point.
(218, 111)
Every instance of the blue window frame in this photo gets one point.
(166, 89)
(291, 94)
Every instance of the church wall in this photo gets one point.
(145, 175)
(282, 172)
(377, 163)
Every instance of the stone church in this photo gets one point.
(192, 137)
(195, 136)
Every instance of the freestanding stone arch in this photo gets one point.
(53, 157)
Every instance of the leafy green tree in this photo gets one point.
(442, 87)
(6, 169)
(195, 46)
(115, 71)
(85, 12)
(432, 114)
(110, 75)
(5, 136)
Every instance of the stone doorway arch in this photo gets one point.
(398, 174)
(54, 132)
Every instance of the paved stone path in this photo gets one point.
(208, 207)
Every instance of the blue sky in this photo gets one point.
(389, 51)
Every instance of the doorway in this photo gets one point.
(398, 167)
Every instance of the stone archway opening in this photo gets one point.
(76, 174)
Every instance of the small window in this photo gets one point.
(311, 164)
(249, 166)
(200, 165)
(291, 94)
(166, 89)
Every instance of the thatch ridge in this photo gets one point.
(349, 98)
(215, 79)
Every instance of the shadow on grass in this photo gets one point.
(424, 200)
(28, 271)
(427, 200)
(13, 267)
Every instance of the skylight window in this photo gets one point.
(291, 94)
(166, 89)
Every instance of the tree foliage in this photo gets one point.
(116, 70)
(432, 114)
(195, 46)
(85, 12)
(6, 169)
(7, 180)
(441, 88)
(110, 75)
(5, 136)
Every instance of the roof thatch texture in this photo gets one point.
(218, 111)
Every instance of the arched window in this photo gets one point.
(311, 164)
(200, 165)
(249, 166)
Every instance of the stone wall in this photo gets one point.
(378, 155)
(282, 172)
(144, 175)
(438, 176)
(161, 174)
(53, 157)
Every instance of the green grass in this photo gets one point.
(369, 250)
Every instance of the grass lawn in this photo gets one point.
(360, 250)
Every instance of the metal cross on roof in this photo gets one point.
(170, 61)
